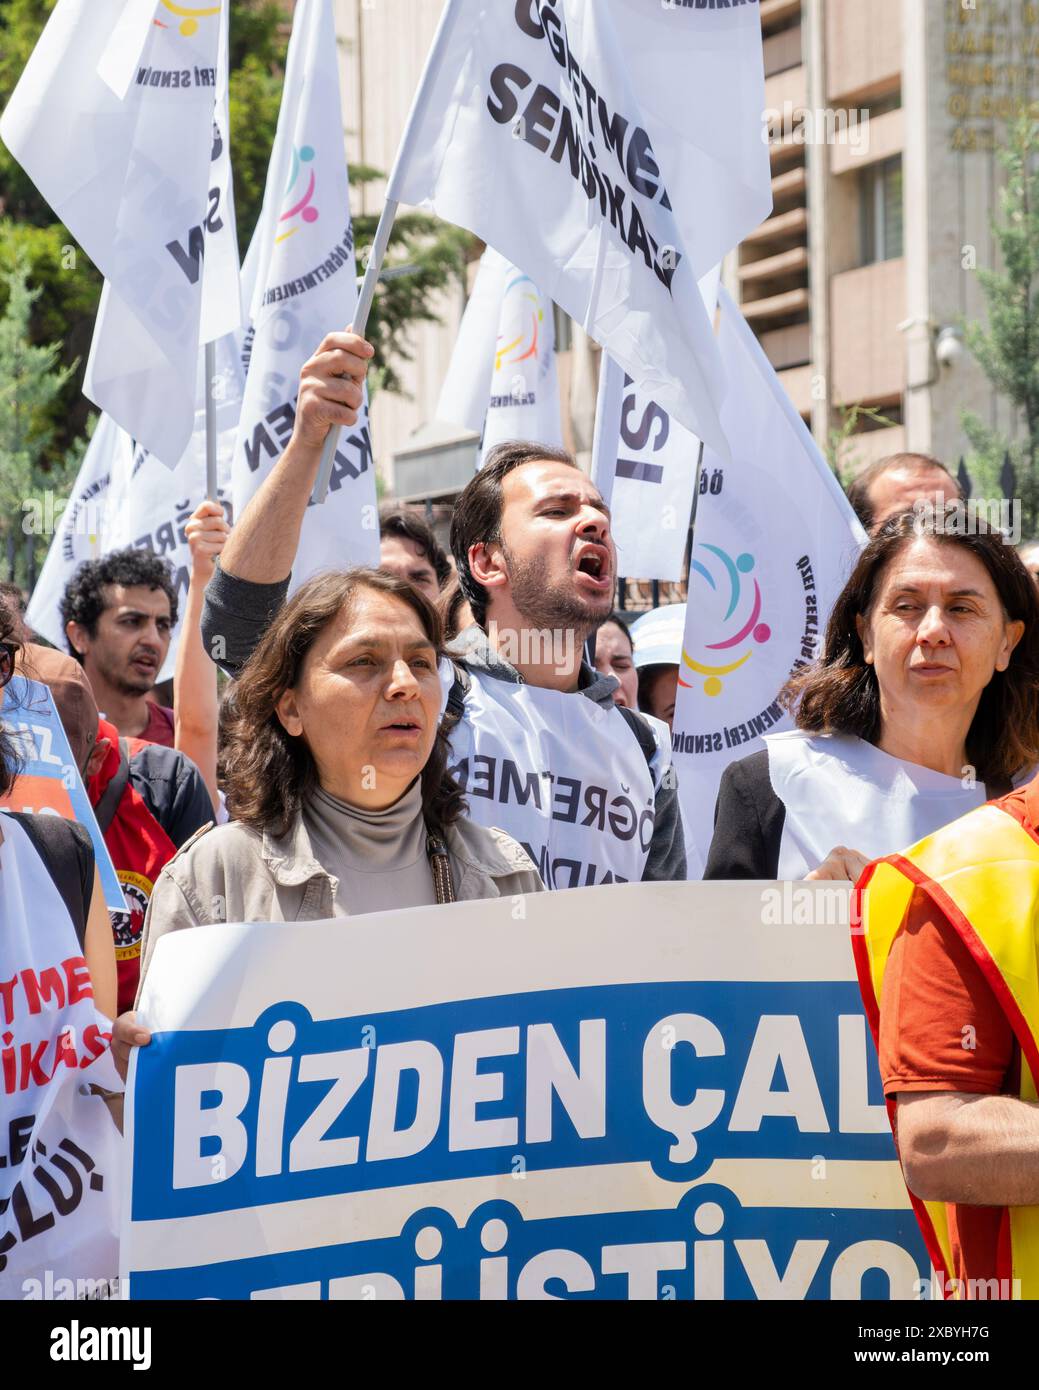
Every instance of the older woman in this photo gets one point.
(335, 775)
(924, 705)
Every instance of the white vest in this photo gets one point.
(61, 1175)
(564, 776)
(841, 790)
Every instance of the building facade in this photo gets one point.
(884, 119)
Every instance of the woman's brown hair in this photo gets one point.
(840, 694)
(266, 772)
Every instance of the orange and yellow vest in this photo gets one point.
(982, 873)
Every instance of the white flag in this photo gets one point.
(126, 497)
(774, 542)
(644, 464)
(306, 286)
(120, 120)
(613, 151)
(502, 379)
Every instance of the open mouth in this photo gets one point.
(402, 726)
(594, 562)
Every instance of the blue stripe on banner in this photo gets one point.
(780, 1064)
(705, 1246)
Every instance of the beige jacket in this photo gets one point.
(233, 873)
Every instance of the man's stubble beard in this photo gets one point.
(552, 607)
(121, 682)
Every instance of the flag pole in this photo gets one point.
(210, 373)
(445, 27)
(696, 489)
(364, 306)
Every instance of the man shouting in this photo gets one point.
(537, 741)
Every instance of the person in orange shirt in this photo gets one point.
(950, 936)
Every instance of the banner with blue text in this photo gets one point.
(665, 1091)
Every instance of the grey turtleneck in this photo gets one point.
(379, 857)
(239, 612)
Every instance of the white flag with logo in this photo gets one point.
(126, 497)
(611, 150)
(502, 380)
(775, 540)
(644, 464)
(120, 120)
(306, 286)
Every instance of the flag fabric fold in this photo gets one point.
(760, 592)
(305, 272)
(502, 381)
(123, 496)
(645, 465)
(613, 152)
(142, 181)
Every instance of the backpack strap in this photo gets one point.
(66, 850)
(112, 795)
(456, 698)
(641, 730)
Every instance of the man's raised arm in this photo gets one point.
(262, 546)
(251, 579)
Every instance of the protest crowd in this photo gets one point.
(412, 728)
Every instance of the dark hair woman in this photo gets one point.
(335, 774)
(925, 703)
(615, 656)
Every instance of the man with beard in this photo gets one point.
(119, 613)
(537, 742)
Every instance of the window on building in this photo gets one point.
(882, 211)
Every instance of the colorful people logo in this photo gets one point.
(522, 315)
(189, 17)
(736, 573)
(301, 206)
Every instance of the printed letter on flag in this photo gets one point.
(306, 287)
(139, 173)
(774, 541)
(502, 379)
(612, 151)
(644, 464)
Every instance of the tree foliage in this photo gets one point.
(434, 254)
(841, 452)
(31, 380)
(69, 286)
(1007, 348)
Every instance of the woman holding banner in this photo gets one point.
(924, 705)
(335, 772)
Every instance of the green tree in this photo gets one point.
(840, 452)
(430, 254)
(70, 285)
(1007, 349)
(30, 381)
